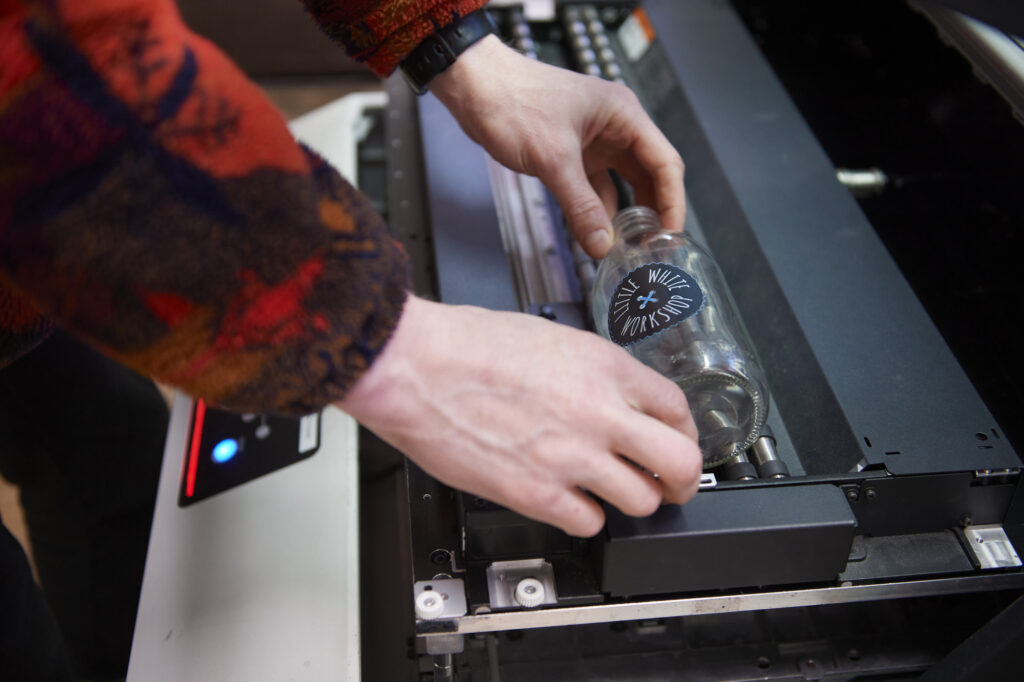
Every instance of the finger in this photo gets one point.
(664, 451)
(568, 508)
(640, 181)
(583, 208)
(606, 191)
(665, 170)
(646, 193)
(652, 394)
(653, 166)
(622, 484)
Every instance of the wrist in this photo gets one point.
(470, 78)
(395, 365)
(442, 49)
(472, 62)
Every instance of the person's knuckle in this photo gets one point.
(598, 349)
(677, 410)
(623, 93)
(554, 155)
(664, 391)
(676, 163)
(643, 503)
(582, 207)
(650, 503)
(587, 524)
(690, 466)
(618, 365)
(674, 470)
(510, 492)
(539, 496)
(669, 393)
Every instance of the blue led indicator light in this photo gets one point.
(225, 450)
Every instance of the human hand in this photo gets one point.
(568, 130)
(527, 413)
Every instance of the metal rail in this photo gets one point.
(696, 606)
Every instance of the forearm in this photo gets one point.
(157, 205)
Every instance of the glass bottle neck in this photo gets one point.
(634, 220)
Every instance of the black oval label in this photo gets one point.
(651, 299)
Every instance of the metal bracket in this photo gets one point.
(439, 599)
(995, 473)
(991, 547)
(707, 481)
(503, 577)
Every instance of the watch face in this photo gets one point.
(651, 299)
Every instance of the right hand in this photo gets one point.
(529, 414)
(568, 130)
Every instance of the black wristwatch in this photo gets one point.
(439, 51)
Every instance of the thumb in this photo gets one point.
(583, 208)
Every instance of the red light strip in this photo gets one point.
(193, 455)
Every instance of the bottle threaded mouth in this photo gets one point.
(635, 218)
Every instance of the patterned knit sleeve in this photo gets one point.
(154, 202)
(382, 32)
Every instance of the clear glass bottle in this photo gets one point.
(661, 296)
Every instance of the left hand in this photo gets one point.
(528, 414)
(568, 130)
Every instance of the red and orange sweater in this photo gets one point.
(154, 202)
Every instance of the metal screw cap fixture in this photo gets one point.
(529, 592)
(429, 604)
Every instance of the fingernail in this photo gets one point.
(598, 242)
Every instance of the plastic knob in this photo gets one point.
(429, 605)
(529, 592)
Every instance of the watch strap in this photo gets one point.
(439, 50)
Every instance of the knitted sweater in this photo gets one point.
(153, 202)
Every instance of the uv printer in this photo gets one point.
(856, 172)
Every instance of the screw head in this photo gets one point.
(529, 592)
(429, 605)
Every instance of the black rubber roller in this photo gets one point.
(738, 469)
(774, 468)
